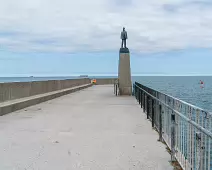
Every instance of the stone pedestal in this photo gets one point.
(124, 72)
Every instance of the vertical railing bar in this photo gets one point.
(209, 153)
(153, 113)
(160, 123)
(139, 93)
(177, 136)
(173, 136)
(144, 102)
(188, 140)
(195, 141)
(204, 143)
(183, 142)
(180, 136)
(147, 107)
(181, 139)
(116, 89)
(209, 146)
(192, 139)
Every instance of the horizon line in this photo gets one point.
(89, 75)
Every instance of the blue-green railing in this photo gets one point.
(186, 129)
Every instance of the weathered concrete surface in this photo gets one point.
(124, 74)
(88, 130)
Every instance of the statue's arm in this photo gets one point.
(126, 36)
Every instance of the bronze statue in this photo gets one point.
(124, 38)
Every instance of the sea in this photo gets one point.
(186, 88)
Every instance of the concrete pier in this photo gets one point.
(88, 130)
(124, 72)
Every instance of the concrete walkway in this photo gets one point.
(88, 130)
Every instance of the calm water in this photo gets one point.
(186, 88)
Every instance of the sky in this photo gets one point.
(68, 37)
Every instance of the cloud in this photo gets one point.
(95, 25)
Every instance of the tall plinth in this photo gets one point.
(124, 72)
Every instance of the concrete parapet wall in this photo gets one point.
(13, 105)
(17, 90)
(105, 81)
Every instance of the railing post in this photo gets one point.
(136, 93)
(139, 94)
(116, 89)
(160, 123)
(153, 113)
(200, 148)
(172, 136)
(141, 98)
(147, 109)
(144, 102)
(135, 90)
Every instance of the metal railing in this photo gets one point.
(185, 128)
(116, 88)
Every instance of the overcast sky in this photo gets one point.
(56, 34)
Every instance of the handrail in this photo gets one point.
(185, 128)
(184, 102)
(181, 115)
(116, 87)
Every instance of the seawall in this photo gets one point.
(104, 81)
(17, 90)
(18, 95)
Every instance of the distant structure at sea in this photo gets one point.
(84, 76)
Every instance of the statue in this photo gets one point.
(124, 38)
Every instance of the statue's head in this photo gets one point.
(123, 29)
